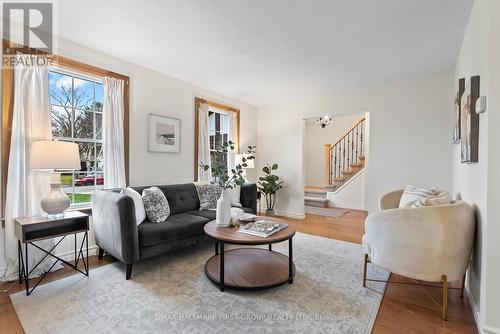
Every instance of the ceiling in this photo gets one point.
(267, 51)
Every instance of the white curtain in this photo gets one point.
(25, 188)
(113, 142)
(232, 135)
(203, 143)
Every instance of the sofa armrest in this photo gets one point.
(391, 200)
(113, 216)
(422, 243)
(248, 196)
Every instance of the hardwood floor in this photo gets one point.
(9, 323)
(404, 308)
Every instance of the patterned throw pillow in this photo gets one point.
(155, 204)
(208, 194)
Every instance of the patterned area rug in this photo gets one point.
(171, 294)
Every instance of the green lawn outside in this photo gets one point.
(66, 179)
(79, 198)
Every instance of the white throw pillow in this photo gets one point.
(413, 193)
(140, 212)
(234, 194)
(442, 198)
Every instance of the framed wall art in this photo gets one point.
(458, 110)
(469, 130)
(164, 134)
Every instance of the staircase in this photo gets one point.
(346, 157)
(315, 197)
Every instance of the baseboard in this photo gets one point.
(68, 256)
(474, 307)
(490, 330)
(287, 214)
(291, 214)
(347, 206)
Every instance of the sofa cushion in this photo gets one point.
(247, 210)
(182, 198)
(175, 227)
(208, 214)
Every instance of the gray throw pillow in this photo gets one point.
(155, 204)
(208, 194)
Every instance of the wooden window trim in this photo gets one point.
(197, 102)
(10, 49)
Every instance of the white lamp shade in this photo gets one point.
(239, 161)
(47, 154)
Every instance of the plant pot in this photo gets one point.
(269, 212)
(223, 214)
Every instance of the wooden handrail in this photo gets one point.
(348, 131)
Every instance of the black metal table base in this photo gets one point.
(24, 271)
(219, 249)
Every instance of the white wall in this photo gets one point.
(315, 139)
(153, 92)
(410, 126)
(351, 195)
(479, 183)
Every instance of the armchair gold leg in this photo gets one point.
(364, 270)
(444, 280)
(463, 287)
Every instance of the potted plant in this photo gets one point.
(227, 181)
(269, 184)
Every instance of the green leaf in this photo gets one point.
(275, 167)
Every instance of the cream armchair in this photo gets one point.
(432, 243)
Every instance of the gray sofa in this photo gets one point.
(117, 233)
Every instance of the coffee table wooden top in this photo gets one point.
(233, 236)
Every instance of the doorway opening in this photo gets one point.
(336, 157)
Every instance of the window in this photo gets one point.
(76, 113)
(222, 124)
(218, 128)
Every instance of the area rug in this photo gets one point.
(171, 294)
(328, 212)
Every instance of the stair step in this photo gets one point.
(332, 187)
(315, 201)
(339, 179)
(347, 172)
(356, 165)
(361, 157)
(315, 193)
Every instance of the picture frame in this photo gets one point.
(458, 110)
(164, 134)
(470, 122)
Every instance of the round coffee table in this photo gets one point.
(249, 268)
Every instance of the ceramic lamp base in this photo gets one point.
(56, 201)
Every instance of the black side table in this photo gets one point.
(36, 228)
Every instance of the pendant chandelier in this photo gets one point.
(324, 121)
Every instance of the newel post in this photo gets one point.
(327, 164)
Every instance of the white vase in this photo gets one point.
(223, 215)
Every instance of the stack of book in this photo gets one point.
(262, 228)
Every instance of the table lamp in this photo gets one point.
(54, 155)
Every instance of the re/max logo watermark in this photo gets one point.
(28, 26)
